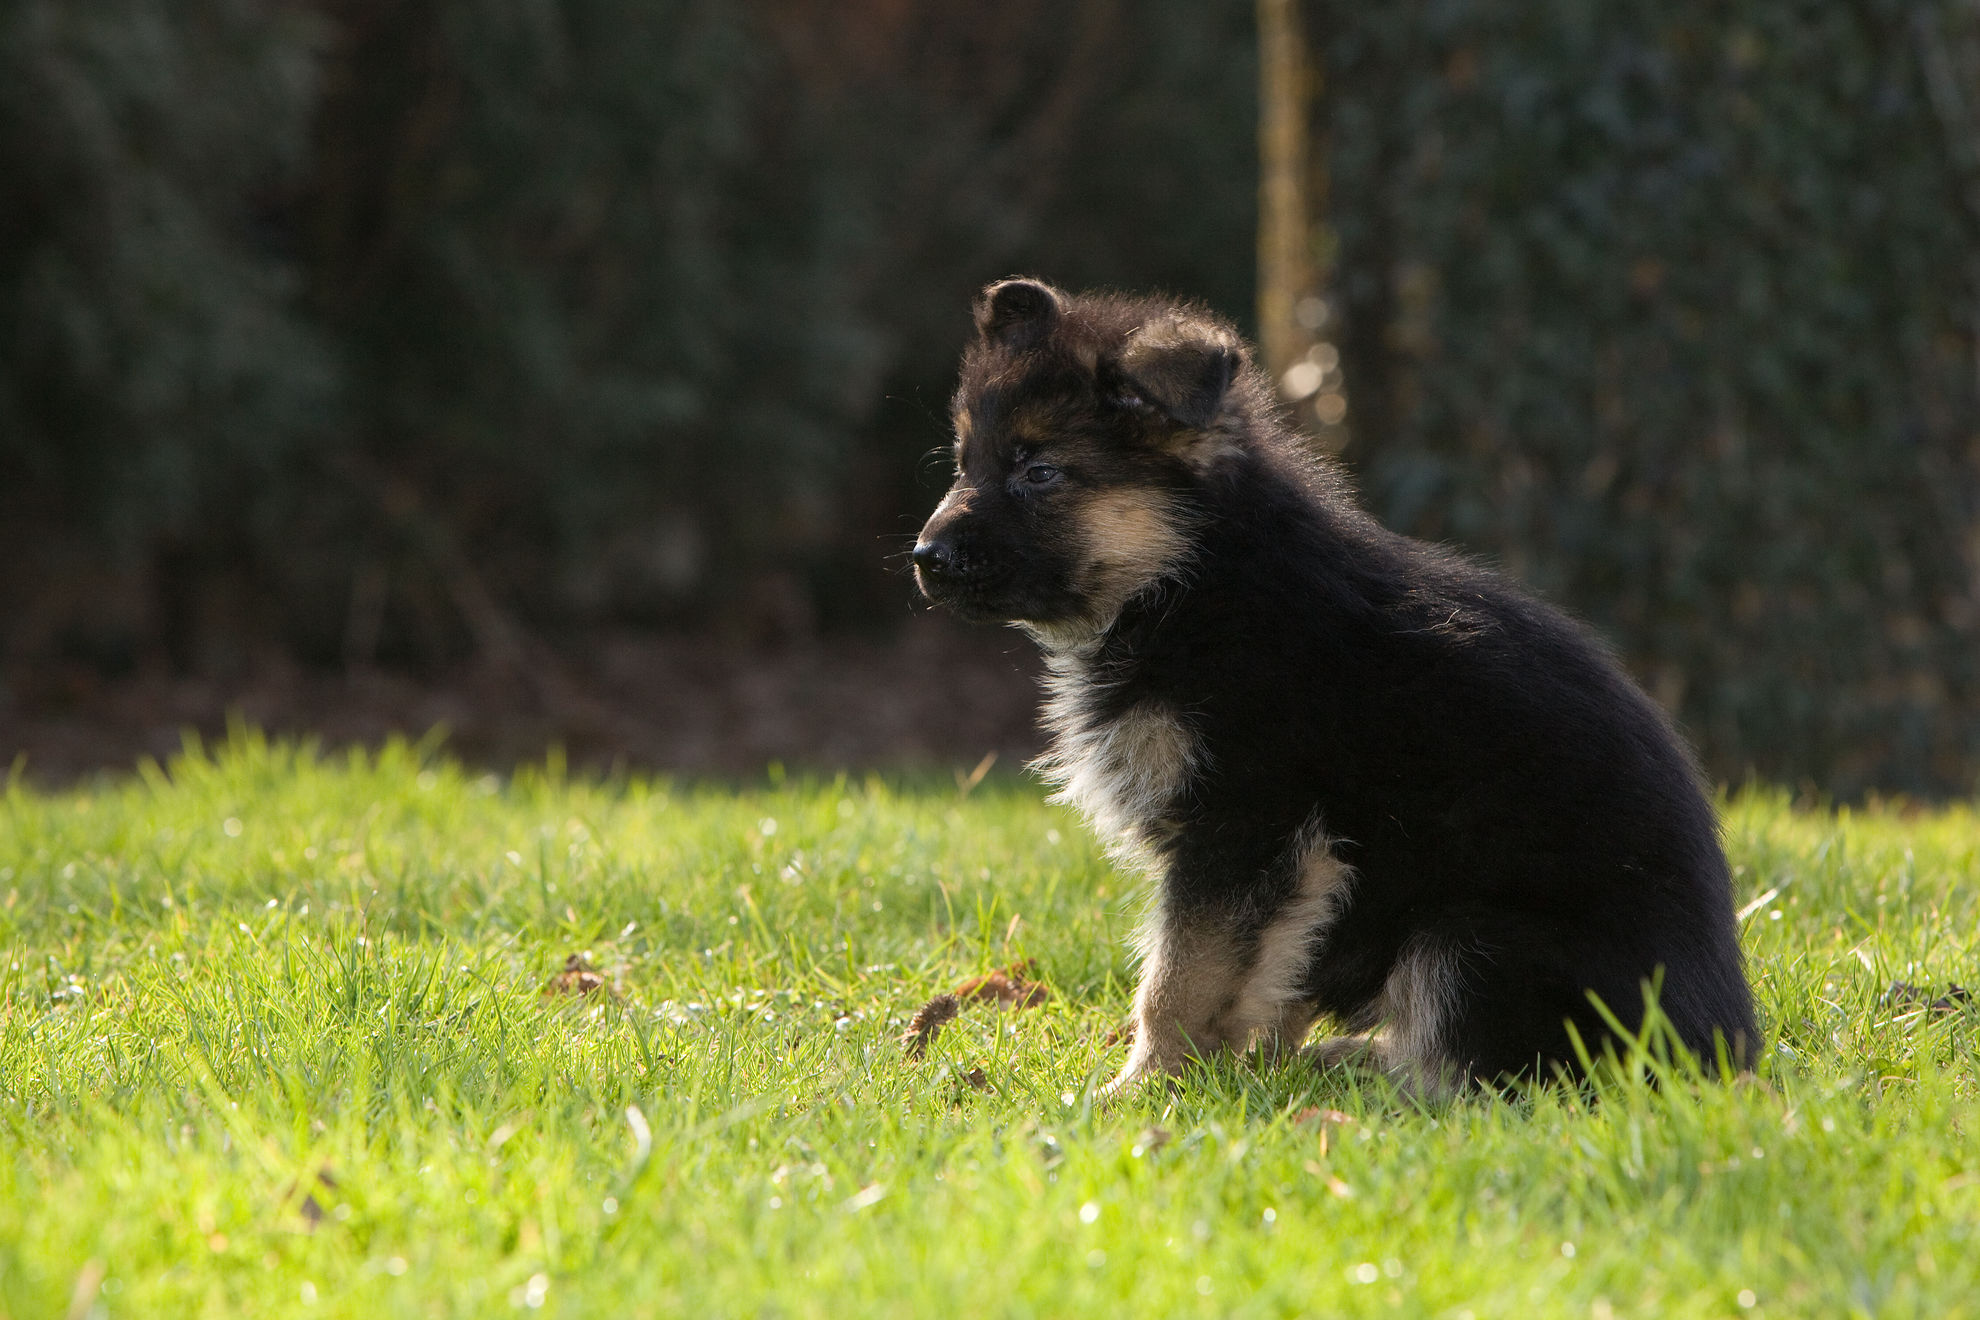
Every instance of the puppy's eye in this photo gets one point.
(1041, 474)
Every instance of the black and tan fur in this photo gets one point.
(1371, 780)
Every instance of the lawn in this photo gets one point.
(285, 1034)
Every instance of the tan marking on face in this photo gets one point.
(1131, 537)
(955, 502)
(1035, 427)
(1203, 449)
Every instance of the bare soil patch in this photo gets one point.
(935, 695)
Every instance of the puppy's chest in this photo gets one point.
(1124, 765)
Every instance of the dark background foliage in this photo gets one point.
(371, 333)
(366, 329)
(1670, 307)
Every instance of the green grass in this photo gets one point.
(225, 979)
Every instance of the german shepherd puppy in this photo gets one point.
(1369, 778)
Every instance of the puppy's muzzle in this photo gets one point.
(948, 570)
(935, 559)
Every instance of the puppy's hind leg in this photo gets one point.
(1359, 1052)
(1412, 1025)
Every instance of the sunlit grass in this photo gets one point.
(275, 1040)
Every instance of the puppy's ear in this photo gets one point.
(1017, 313)
(1183, 367)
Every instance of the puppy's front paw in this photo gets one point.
(1117, 1090)
(1133, 1081)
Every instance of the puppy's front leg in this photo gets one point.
(1216, 974)
(1188, 986)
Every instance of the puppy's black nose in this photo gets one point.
(934, 558)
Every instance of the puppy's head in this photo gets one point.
(1081, 423)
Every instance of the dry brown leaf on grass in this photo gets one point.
(1326, 1119)
(1007, 987)
(928, 1023)
(966, 782)
(309, 1207)
(578, 978)
(82, 1297)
